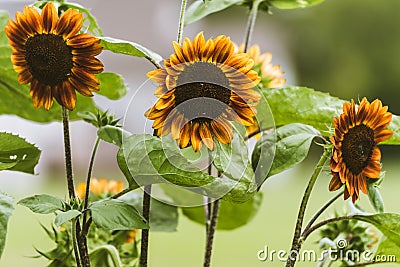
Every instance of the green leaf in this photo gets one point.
(6, 166)
(18, 153)
(151, 160)
(6, 208)
(64, 217)
(231, 215)
(305, 105)
(387, 223)
(200, 9)
(128, 48)
(293, 142)
(388, 249)
(105, 256)
(114, 214)
(43, 204)
(112, 85)
(233, 160)
(293, 4)
(112, 134)
(164, 217)
(375, 197)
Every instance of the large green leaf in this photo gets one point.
(387, 223)
(19, 154)
(6, 208)
(114, 214)
(129, 48)
(112, 85)
(388, 250)
(202, 8)
(232, 160)
(43, 204)
(163, 217)
(151, 160)
(293, 4)
(231, 215)
(293, 142)
(305, 105)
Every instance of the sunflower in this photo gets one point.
(355, 155)
(100, 188)
(48, 53)
(271, 76)
(203, 86)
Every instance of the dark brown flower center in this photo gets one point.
(49, 58)
(357, 146)
(202, 91)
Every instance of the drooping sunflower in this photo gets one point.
(355, 155)
(271, 76)
(203, 86)
(48, 53)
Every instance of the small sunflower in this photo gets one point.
(48, 53)
(203, 86)
(355, 155)
(100, 188)
(271, 76)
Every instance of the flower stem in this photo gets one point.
(68, 156)
(251, 21)
(75, 244)
(123, 192)
(313, 219)
(296, 245)
(307, 232)
(83, 252)
(181, 21)
(145, 232)
(211, 232)
(89, 176)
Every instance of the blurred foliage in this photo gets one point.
(348, 48)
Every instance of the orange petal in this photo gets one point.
(206, 136)
(49, 18)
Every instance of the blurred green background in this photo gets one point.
(349, 48)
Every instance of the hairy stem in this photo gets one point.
(68, 155)
(211, 232)
(315, 217)
(81, 240)
(88, 177)
(123, 192)
(296, 245)
(181, 21)
(145, 232)
(251, 21)
(75, 244)
(307, 232)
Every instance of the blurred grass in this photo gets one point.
(273, 226)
